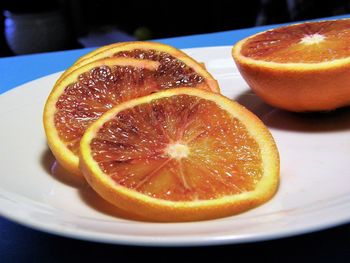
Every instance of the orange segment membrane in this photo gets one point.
(215, 154)
(171, 72)
(103, 87)
(303, 43)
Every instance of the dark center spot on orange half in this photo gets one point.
(179, 148)
(302, 43)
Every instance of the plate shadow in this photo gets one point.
(94, 201)
(326, 121)
(56, 171)
(86, 193)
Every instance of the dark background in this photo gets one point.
(161, 19)
(327, 246)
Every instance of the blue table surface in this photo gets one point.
(21, 69)
(21, 244)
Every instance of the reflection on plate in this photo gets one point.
(315, 180)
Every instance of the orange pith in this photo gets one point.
(301, 43)
(216, 155)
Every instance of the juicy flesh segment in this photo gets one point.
(303, 43)
(94, 93)
(171, 72)
(101, 88)
(179, 148)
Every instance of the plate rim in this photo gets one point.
(86, 235)
(160, 241)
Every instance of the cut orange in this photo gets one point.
(83, 95)
(179, 155)
(172, 61)
(302, 67)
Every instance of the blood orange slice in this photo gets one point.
(181, 154)
(83, 95)
(302, 67)
(173, 62)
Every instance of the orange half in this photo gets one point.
(301, 67)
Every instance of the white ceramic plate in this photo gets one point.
(315, 177)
